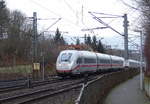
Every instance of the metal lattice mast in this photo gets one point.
(126, 56)
(34, 37)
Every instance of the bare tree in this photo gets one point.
(18, 40)
(4, 19)
(145, 5)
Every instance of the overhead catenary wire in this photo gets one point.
(69, 6)
(92, 31)
(44, 7)
(59, 16)
(129, 5)
(53, 24)
(115, 16)
(134, 36)
(58, 19)
(105, 24)
(135, 8)
(109, 17)
(132, 40)
(77, 15)
(136, 20)
(112, 16)
(47, 18)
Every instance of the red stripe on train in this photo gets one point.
(64, 71)
(78, 66)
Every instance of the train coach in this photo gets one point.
(133, 64)
(74, 62)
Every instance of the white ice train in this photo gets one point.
(74, 62)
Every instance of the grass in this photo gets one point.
(23, 69)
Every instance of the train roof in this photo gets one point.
(90, 54)
(135, 61)
(117, 57)
(68, 51)
(73, 51)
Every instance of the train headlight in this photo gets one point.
(59, 65)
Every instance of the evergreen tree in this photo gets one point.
(2, 4)
(77, 41)
(100, 47)
(63, 42)
(94, 43)
(57, 37)
(85, 39)
(89, 42)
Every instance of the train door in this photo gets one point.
(96, 63)
(82, 64)
(79, 64)
(111, 63)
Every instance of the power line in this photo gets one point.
(69, 6)
(133, 39)
(114, 16)
(136, 20)
(105, 24)
(90, 29)
(53, 24)
(82, 13)
(47, 18)
(132, 10)
(125, 29)
(129, 5)
(42, 6)
(109, 17)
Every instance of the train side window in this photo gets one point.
(116, 62)
(99, 60)
(121, 62)
(79, 60)
(89, 60)
(104, 61)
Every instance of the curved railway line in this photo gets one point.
(24, 84)
(35, 94)
(29, 95)
(21, 94)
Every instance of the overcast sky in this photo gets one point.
(75, 16)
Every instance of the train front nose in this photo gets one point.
(64, 68)
(64, 63)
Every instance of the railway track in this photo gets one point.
(42, 93)
(23, 85)
(39, 92)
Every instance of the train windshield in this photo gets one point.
(65, 57)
